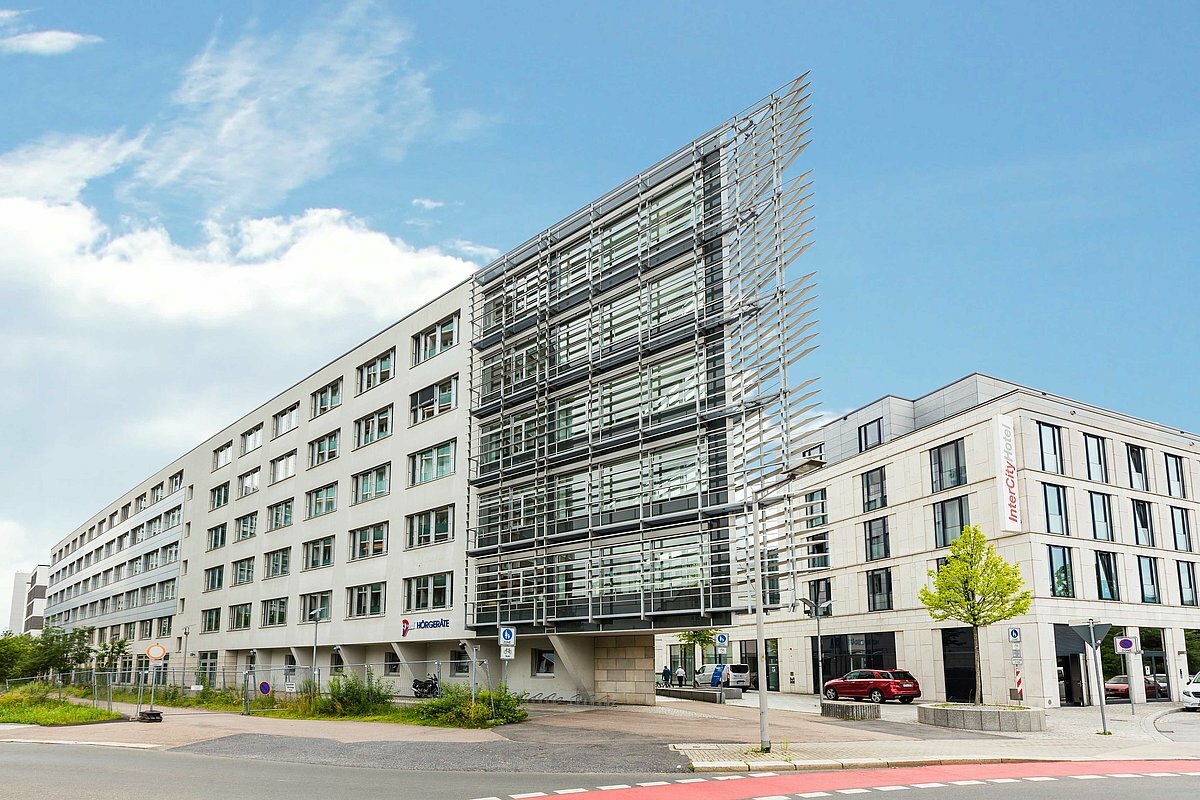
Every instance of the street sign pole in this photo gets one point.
(1099, 675)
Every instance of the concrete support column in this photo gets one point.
(624, 669)
(1136, 672)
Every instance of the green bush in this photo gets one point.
(455, 708)
(349, 696)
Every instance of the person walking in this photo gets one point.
(666, 676)
(680, 674)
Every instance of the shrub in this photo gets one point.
(455, 707)
(349, 695)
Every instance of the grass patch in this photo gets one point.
(31, 705)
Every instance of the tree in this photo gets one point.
(705, 637)
(977, 587)
(14, 654)
(109, 654)
(58, 650)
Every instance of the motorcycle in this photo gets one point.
(427, 688)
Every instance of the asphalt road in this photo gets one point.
(1180, 726)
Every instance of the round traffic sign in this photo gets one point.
(156, 652)
(722, 639)
(1125, 644)
(508, 635)
(264, 688)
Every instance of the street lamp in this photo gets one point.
(315, 616)
(186, 630)
(818, 610)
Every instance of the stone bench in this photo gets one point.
(703, 695)
(983, 718)
(848, 710)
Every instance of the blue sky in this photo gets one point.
(199, 203)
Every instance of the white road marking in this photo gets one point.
(774, 797)
(527, 794)
(967, 783)
(927, 785)
(729, 777)
(1163, 774)
(853, 791)
(614, 786)
(655, 783)
(1003, 780)
(889, 788)
(1041, 778)
(763, 774)
(814, 794)
(1086, 777)
(691, 780)
(569, 791)
(1124, 775)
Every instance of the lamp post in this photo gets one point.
(186, 630)
(818, 610)
(315, 616)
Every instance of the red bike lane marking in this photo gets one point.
(748, 787)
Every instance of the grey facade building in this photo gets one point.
(16, 613)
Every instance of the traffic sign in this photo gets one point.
(721, 650)
(722, 639)
(508, 652)
(156, 652)
(1125, 644)
(1084, 631)
(264, 688)
(508, 636)
(1014, 635)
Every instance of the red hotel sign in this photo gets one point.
(1006, 474)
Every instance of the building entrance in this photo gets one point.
(1070, 681)
(958, 664)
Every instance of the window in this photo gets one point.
(164, 626)
(879, 590)
(819, 593)
(327, 398)
(1187, 582)
(460, 662)
(324, 449)
(1108, 586)
(874, 487)
(428, 465)
(322, 501)
(252, 439)
(218, 496)
(239, 617)
(430, 527)
(1143, 524)
(427, 592)
(1062, 577)
(223, 455)
(274, 612)
(245, 527)
(373, 427)
(214, 578)
(371, 484)
(435, 339)
(280, 514)
(277, 563)
(434, 400)
(315, 604)
(318, 553)
(286, 420)
(283, 467)
(1176, 485)
(876, 535)
(1148, 572)
(818, 551)
(172, 518)
(376, 371)
(141, 503)
(948, 465)
(1102, 527)
(174, 484)
(816, 510)
(147, 629)
(1056, 509)
(1182, 528)
(157, 493)
(1097, 458)
(210, 622)
(366, 600)
(543, 662)
(949, 519)
(391, 663)
(1050, 438)
(216, 537)
(870, 435)
(248, 482)
(369, 541)
(243, 571)
(1137, 467)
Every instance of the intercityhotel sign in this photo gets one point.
(1006, 474)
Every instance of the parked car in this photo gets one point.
(1191, 694)
(1117, 687)
(876, 685)
(733, 675)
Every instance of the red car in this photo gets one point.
(876, 685)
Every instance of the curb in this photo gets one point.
(886, 763)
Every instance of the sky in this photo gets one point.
(202, 203)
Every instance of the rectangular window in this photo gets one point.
(1181, 527)
(870, 435)
(174, 484)
(819, 593)
(1143, 524)
(1148, 572)
(222, 456)
(818, 551)
(280, 514)
(1176, 484)
(322, 501)
(246, 527)
(218, 496)
(1056, 509)
(239, 617)
(433, 400)
(815, 509)
(428, 465)
(876, 539)
(277, 563)
(327, 398)
(274, 612)
(435, 339)
(460, 663)
(949, 519)
(164, 626)
(1187, 582)
(1138, 479)
(543, 662)
(283, 467)
(1102, 527)
(286, 420)
(373, 427)
(324, 449)
(369, 541)
(1097, 458)
(948, 465)
(427, 592)
(1108, 584)
(371, 484)
(147, 629)
(318, 553)
(157, 493)
(216, 537)
(879, 590)
(248, 482)
(366, 600)
(315, 605)
(214, 578)
(1050, 438)
(243, 571)
(252, 439)
(1062, 577)
(874, 488)
(430, 527)
(210, 621)
(376, 371)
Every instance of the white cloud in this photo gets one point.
(473, 250)
(464, 124)
(46, 43)
(8, 15)
(426, 204)
(58, 168)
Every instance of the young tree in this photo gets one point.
(977, 587)
(58, 650)
(14, 654)
(705, 637)
(109, 654)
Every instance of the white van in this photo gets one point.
(736, 676)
